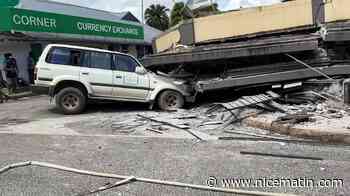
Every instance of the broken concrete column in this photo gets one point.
(346, 91)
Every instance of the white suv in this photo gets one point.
(73, 75)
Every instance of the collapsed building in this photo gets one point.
(261, 45)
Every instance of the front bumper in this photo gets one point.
(42, 90)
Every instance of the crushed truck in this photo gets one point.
(290, 41)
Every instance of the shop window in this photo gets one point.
(125, 63)
(149, 50)
(125, 48)
(140, 51)
(100, 60)
(36, 50)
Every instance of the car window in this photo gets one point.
(59, 56)
(66, 56)
(100, 60)
(76, 58)
(125, 63)
(85, 59)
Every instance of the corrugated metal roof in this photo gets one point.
(72, 10)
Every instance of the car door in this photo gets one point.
(128, 84)
(98, 73)
(60, 63)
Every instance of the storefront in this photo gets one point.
(29, 25)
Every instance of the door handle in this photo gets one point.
(119, 77)
(85, 73)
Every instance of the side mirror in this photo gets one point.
(140, 70)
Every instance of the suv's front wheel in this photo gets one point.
(71, 100)
(170, 100)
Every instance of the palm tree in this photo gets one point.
(178, 13)
(156, 16)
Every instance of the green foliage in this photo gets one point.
(207, 11)
(181, 12)
(178, 13)
(156, 16)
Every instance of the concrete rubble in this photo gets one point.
(318, 115)
(306, 112)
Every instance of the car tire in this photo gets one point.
(170, 100)
(71, 100)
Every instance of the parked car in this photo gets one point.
(73, 75)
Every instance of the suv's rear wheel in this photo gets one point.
(71, 100)
(170, 100)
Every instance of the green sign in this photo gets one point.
(34, 21)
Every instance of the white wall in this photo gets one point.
(20, 51)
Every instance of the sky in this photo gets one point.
(134, 6)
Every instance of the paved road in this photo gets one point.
(183, 160)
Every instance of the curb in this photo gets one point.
(329, 136)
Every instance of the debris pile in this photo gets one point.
(328, 103)
(314, 114)
(302, 107)
(218, 120)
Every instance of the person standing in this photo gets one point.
(2, 67)
(12, 71)
(3, 96)
(31, 67)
